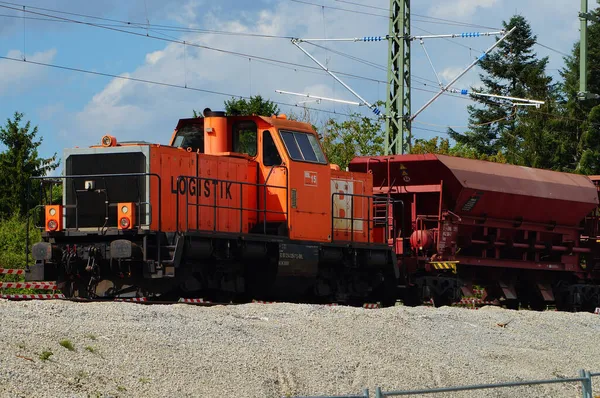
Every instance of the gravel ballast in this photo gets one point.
(275, 350)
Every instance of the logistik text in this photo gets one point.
(201, 187)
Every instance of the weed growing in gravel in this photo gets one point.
(45, 355)
(67, 344)
(90, 349)
(81, 375)
(144, 380)
(91, 336)
(121, 388)
(21, 346)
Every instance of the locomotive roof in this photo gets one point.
(278, 122)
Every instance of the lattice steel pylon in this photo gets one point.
(398, 125)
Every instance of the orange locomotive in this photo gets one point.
(235, 208)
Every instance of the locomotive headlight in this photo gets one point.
(126, 215)
(52, 212)
(52, 225)
(124, 222)
(106, 140)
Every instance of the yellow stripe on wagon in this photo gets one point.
(445, 265)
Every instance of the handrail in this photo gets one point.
(215, 206)
(63, 179)
(372, 201)
(108, 204)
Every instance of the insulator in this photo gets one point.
(464, 92)
(482, 56)
(376, 111)
(372, 38)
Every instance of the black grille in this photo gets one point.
(91, 206)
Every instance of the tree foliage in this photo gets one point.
(523, 135)
(18, 163)
(356, 136)
(579, 147)
(256, 105)
(441, 146)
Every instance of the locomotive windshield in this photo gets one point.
(303, 147)
(190, 136)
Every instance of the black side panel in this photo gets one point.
(91, 204)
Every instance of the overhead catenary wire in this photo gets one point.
(341, 9)
(450, 21)
(172, 40)
(154, 82)
(260, 59)
(267, 61)
(138, 25)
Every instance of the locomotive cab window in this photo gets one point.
(303, 147)
(271, 155)
(191, 136)
(244, 137)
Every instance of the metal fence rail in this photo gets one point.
(585, 378)
(365, 394)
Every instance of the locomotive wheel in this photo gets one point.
(411, 297)
(512, 304)
(442, 300)
(387, 291)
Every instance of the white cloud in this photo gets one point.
(460, 8)
(132, 110)
(470, 79)
(19, 76)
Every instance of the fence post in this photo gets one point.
(586, 385)
(378, 393)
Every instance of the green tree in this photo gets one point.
(256, 105)
(356, 136)
(579, 146)
(18, 163)
(441, 146)
(522, 134)
(435, 145)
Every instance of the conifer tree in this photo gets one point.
(523, 134)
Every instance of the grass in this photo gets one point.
(121, 389)
(45, 355)
(67, 344)
(81, 375)
(21, 346)
(90, 349)
(144, 380)
(91, 336)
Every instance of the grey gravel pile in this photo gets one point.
(276, 350)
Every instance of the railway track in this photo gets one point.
(468, 302)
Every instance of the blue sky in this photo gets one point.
(76, 109)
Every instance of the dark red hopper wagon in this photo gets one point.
(517, 231)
